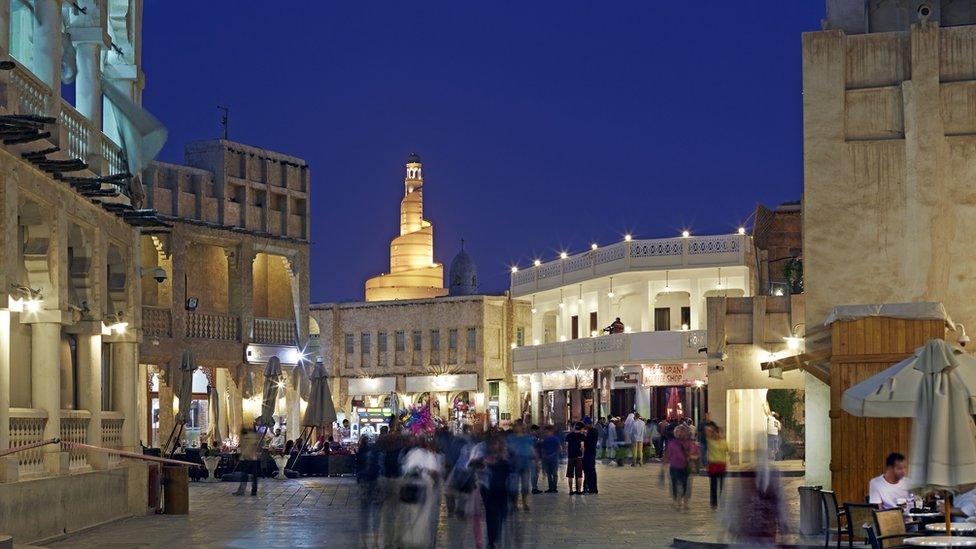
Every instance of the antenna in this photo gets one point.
(223, 119)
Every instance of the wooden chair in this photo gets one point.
(859, 515)
(889, 529)
(837, 519)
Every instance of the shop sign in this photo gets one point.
(372, 385)
(667, 375)
(629, 378)
(441, 383)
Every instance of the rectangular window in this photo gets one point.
(350, 344)
(472, 338)
(662, 319)
(365, 343)
(686, 316)
(493, 390)
(401, 341)
(417, 341)
(381, 341)
(435, 340)
(575, 326)
(520, 336)
(452, 342)
(594, 327)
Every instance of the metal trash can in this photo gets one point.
(811, 510)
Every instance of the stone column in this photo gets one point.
(45, 392)
(223, 393)
(90, 392)
(559, 408)
(125, 376)
(575, 405)
(4, 379)
(88, 86)
(47, 44)
(535, 389)
(292, 412)
(166, 416)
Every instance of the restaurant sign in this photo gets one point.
(668, 375)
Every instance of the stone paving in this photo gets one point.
(632, 508)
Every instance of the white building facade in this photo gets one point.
(657, 366)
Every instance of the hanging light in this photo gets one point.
(534, 310)
(719, 283)
(667, 283)
(561, 304)
(610, 293)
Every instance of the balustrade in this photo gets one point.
(275, 331)
(213, 326)
(157, 321)
(27, 427)
(112, 434)
(74, 428)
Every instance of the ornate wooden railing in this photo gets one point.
(213, 326)
(157, 321)
(274, 330)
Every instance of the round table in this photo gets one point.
(925, 515)
(962, 527)
(942, 541)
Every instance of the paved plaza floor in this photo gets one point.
(632, 508)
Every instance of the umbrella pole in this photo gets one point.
(947, 509)
(178, 432)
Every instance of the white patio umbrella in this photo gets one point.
(272, 377)
(213, 417)
(937, 388)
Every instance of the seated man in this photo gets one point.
(278, 442)
(892, 486)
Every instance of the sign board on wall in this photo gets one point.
(372, 385)
(447, 382)
(666, 375)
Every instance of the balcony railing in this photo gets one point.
(27, 427)
(74, 428)
(610, 350)
(157, 321)
(636, 255)
(274, 331)
(213, 326)
(77, 136)
(112, 434)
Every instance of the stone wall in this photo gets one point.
(889, 143)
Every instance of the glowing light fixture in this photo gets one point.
(514, 269)
(580, 298)
(684, 327)
(514, 345)
(593, 246)
(537, 262)
(793, 343)
(563, 255)
(742, 230)
(685, 233)
(627, 237)
(610, 293)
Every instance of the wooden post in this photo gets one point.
(859, 445)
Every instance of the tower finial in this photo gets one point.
(462, 244)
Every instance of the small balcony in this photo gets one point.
(274, 331)
(215, 326)
(609, 351)
(632, 256)
(75, 135)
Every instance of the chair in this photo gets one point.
(859, 515)
(837, 519)
(889, 529)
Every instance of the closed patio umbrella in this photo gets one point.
(247, 381)
(272, 377)
(936, 388)
(213, 417)
(300, 380)
(320, 411)
(181, 379)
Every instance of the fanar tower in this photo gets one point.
(413, 273)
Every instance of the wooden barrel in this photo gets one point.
(176, 490)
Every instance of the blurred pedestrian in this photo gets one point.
(389, 444)
(604, 431)
(550, 459)
(717, 454)
(536, 461)
(758, 514)
(772, 435)
(249, 444)
(495, 491)
(367, 474)
(590, 443)
(611, 444)
(420, 496)
(637, 431)
(521, 450)
(679, 459)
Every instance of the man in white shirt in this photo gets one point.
(887, 489)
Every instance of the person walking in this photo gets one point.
(537, 456)
(574, 455)
(590, 443)
(367, 473)
(550, 459)
(420, 496)
(717, 453)
(679, 458)
(637, 431)
(654, 434)
(610, 447)
(494, 491)
(250, 466)
(772, 435)
(601, 430)
(521, 449)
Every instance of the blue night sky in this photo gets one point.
(542, 125)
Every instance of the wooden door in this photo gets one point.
(859, 445)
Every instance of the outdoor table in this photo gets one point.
(942, 541)
(964, 527)
(925, 515)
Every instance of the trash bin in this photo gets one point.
(176, 490)
(811, 510)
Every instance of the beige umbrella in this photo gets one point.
(320, 411)
(942, 380)
(300, 380)
(272, 378)
(184, 385)
(213, 415)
